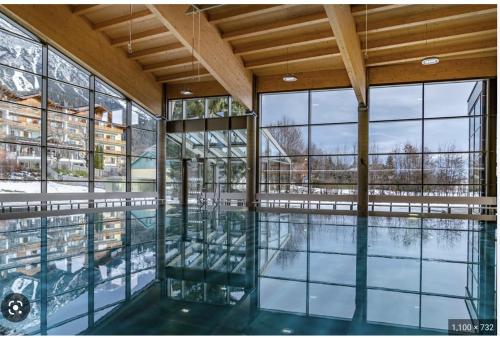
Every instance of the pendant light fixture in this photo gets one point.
(429, 60)
(288, 77)
(129, 45)
(186, 91)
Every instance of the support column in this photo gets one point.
(161, 150)
(491, 135)
(363, 121)
(251, 160)
(185, 185)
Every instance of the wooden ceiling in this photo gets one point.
(274, 39)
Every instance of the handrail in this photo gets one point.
(382, 198)
(5, 198)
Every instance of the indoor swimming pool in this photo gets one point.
(238, 272)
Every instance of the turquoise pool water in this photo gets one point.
(234, 272)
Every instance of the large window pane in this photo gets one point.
(19, 162)
(397, 137)
(450, 168)
(446, 135)
(217, 144)
(175, 109)
(284, 141)
(334, 139)
(106, 89)
(66, 98)
(20, 53)
(332, 106)
(218, 106)
(143, 169)
(19, 124)
(141, 119)
(238, 143)
(195, 108)
(195, 145)
(237, 108)
(109, 167)
(110, 138)
(67, 131)
(437, 98)
(110, 109)
(174, 145)
(20, 87)
(284, 109)
(62, 69)
(396, 169)
(333, 169)
(143, 143)
(397, 102)
(67, 186)
(65, 164)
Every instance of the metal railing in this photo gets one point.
(12, 203)
(483, 208)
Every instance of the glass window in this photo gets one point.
(109, 167)
(395, 102)
(62, 69)
(333, 169)
(8, 25)
(437, 98)
(396, 169)
(334, 139)
(195, 145)
(102, 87)
(284, 140)
(284, 109)
(195, 108)
(67, 131)
(110, 109)
(217, 144)
(141, 119)
(68, 99)
(446, 135)
(20, 53)
(333, 106)
(143, 143)
(65, 164)
(143, 169)
(175, 109)
(19, 162)
(218, 106)
(110, 138)
(238, 143)
(19, 124)
(174, 145)
(20, 87)
(237, 108)
(396, 137)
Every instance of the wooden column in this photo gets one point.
(251, 161)
(363, 122)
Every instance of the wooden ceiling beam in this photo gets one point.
(74, 37)
(276, 26)
(169, 64)
(140, 36)
(440, 13)
(166, 49)
(121, 20)
(309, 55)
(211, 51)
(85, 9)
(243, 12)
(192, 74)
(360, 10)
(455, 51)
(344, 30)
(291, 41)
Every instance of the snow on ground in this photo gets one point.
(35, 187)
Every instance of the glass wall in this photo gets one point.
(205, 107)
(308, 142)
(85, 147)
(420, 139)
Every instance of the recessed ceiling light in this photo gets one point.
(287, 331)
(289, 77)
(185, 310)
(430, 61)
(186, 92)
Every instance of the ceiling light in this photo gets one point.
(289, 77)
(185, 310)
(287, 331)
(430, 61)
(186, 92)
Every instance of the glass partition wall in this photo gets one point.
(62, 129)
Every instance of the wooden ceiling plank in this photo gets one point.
(121, 20)
(292, 41)
(211, 51)
(313, 54)
(192, 74)
(439, 51)
(85, 9)
(301, 21)
(171, 48)
(242, 12)
(74, 37)
(360, 10)
(140, 36)
(169, 64)
(439, 14)
(344, 30)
